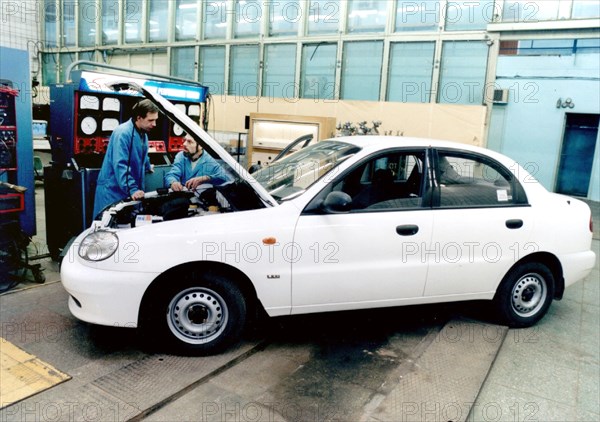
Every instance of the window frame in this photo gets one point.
(392, 78)
(313, 205)
(348, 71)
(201, 71)
(519, 197)
(306, 86)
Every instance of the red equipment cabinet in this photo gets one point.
(10, 201)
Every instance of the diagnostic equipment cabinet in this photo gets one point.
(83, 114)
(16, 151)
(17, 200)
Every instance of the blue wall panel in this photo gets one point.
(530, 127)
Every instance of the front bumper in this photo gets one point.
(104, 297)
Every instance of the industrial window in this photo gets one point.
(361, 71)
(50, 22)
(87, 55)
(247, 19)
(549, 47)
(133, 21)
(585, 9)
(186, 20)
(284, 17)
(65, 60)
(469, 15)
(410, 72)
(243, 71)
(110, 22)
(529, 10)
(367, 15)
(183, 62)
(587, 45)
(49, 67)
(157, 23)
(279, 70)
(87, 23)
(212, 69)
(317, 77)
(462, 74)
(546, 47)
(323, 16)
(214, 17)
(68, 23)
(423, 15)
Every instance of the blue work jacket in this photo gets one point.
(206, 166)
(124, 167)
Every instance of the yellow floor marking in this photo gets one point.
(23, 375)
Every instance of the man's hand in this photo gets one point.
(176, 187)
(137, 195)
(194, 182)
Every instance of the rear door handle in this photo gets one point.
(407, 230)
(515, 223)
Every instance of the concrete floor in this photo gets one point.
(550, 372)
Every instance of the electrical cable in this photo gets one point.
(9, 91)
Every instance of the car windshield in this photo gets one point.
(292, 175)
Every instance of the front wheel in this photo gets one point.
(197, 315)
(525, 295)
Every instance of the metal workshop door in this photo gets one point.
(577, 155)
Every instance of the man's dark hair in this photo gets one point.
(142, 108)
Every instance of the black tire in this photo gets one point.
(524, 295)
(198, 314)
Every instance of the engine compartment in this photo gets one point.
(166, 205)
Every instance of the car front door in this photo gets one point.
(367, 256)
(481, 225)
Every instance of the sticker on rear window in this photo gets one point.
(502, 195)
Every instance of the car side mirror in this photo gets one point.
(337, 203)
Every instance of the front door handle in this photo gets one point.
(515, 223)
(407, 230)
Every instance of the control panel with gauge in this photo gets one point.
(97, 117)
(84, 115)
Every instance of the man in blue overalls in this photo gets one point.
(192, 167)
(126, 160)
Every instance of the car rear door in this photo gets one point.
(481, 225)
(366, 257)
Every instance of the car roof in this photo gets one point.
(378, 141)
(372, 143)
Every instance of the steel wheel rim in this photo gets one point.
(529, 295)
(197, 315)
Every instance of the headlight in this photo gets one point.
(98, 245)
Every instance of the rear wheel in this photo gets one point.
(198, 314)
(525, 295)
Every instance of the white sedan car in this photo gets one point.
(346, 223)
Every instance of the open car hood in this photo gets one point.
(208, 142)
